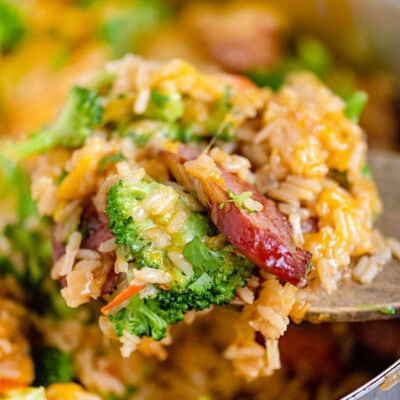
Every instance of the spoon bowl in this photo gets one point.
(379, 299)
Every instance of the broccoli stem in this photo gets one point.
(36, 144)
(81, 112)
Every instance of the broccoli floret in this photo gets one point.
(141, 317)
(125, 199)
(122, 200)
(217, 275)
(217, 268)
(273, 78)
(314, 56)
(227, 269)
(52, 366)
(35, 251)
(141, 131)
(125, 32)
(29, 238)
(7, 268)
(167, 107)
(12, 27)
(15, 189)
(355, 105)
(81, 113)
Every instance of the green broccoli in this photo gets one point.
(12, 27)
(15, 188)
(167, 107)
(124, 199)
(141, 317)
(29, 239)
(125, 32)
(355, 105)
(217, 268)
(81, 113)
(35, 251)
(141, 131)
(52, 366)
(31, 244)
(313, 55)
(33, 247)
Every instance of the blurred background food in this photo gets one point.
(45, 45)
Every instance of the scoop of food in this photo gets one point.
(173, 191)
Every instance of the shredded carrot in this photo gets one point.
(124, 295)
(9, 384)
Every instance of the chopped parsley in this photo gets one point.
(243, 201)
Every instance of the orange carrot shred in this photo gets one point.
(121, 297)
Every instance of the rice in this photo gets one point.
(160, 201)
(394, 245)
(295, 145)
(176, 222)
(151, 275)
(80, 288)
(129, 343)
(93, 376)
(87, 254)
(15, 360)
(179, 261)
(43, 191)
(253, 360)
(108, 246)
(98, 362)
(158, 237)
(120, 265)
(295, 221)
(245, 294)
(69, 210)
(87, 265)
(66, 335)
(327, 272)
(368, 266)
(233, 163)
(64, 265)
(203, 166)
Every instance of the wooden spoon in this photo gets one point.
(381, 298)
